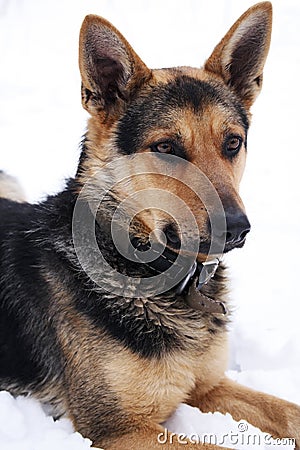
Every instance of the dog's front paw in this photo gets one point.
(294, 423)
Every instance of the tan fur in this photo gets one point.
(147, 392)
(147, 440)
(159, 386)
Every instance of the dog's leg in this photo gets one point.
(153, 437)
(115, 430)
(270, 414)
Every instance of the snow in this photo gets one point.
(229, 433)
(41, 122)
(24, 425)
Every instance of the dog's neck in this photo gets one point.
(189, 288)
(197, 290)
(155, 322)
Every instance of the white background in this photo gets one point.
(41, 123)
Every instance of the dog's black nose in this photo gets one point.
(238, 226)
(230, 231)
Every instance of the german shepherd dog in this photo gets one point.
(109, 308)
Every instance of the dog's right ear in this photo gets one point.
(240, 56)
(110, 69)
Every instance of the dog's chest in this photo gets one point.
(155, 387)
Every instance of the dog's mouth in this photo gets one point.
(200, 274)
(206, 246)
(200, 266)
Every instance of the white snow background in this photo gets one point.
(41, 122)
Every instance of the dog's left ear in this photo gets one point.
(110, 69)
(240, 56)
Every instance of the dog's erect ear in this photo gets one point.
(240, 56)
(110, 69)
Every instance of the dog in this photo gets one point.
(113, 298)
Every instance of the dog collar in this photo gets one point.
(190, 287)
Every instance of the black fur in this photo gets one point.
(35, 239)
(27, 336)
(157, 107)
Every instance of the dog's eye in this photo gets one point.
(232, 145)
(163, 147)
(169, 147)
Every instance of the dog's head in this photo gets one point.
(170, 145)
